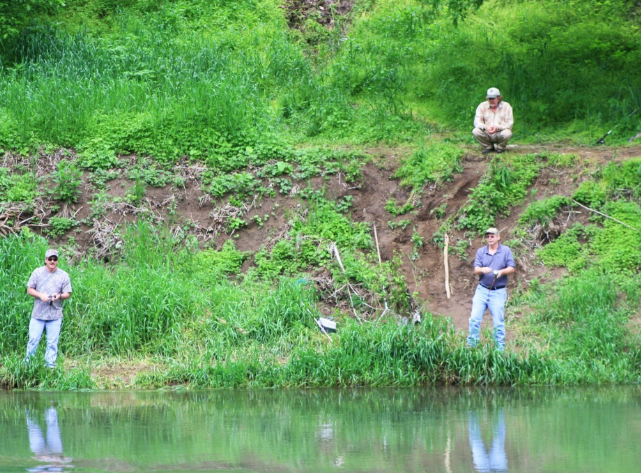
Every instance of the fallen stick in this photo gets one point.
(446, 265)
(604, 215)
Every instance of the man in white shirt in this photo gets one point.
(49, 286)
(493, 122)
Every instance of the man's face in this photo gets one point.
(492, 238)
(51, 263)
(493, 101)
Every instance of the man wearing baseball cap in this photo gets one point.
(49, 285)
(493, 122)
(492, 265)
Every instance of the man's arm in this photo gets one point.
(38, 295)
(479, 119)
(508, 118)
(506, 271)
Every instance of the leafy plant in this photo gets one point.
(344, 204)
(432, 162)
(235, 223)
(504, 185)
(58, 226)
(440, 211)
(393, 208)
(240, 184)
(68, 179)
(402, 224)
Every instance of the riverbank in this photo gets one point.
(218, 177)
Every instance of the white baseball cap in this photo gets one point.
(493, 92)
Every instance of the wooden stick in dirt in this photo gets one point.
(604, 215)
(334, 249)
(378, 251)
(446, 265)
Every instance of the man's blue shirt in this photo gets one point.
(500, 260)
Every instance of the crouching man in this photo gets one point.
(49, 286)
(493, 123)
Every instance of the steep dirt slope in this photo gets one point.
(190, 210)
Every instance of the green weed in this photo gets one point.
(68, 179)
(435, 161)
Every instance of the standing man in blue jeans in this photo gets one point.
(49, 286)
(492, 265)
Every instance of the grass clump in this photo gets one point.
(432, 162)
(504, 186)
(543, 211)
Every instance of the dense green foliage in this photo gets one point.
(610, 246)
(430, 163)
(170, 79)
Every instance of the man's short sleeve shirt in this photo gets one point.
(46, 282)
(502, 259)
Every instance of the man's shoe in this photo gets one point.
(487, 150)
(501, 150)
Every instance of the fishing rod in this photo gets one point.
(602, 140)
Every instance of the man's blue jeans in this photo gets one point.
(495, 301)
(36, 327)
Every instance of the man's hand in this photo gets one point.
(486, 270)
(55, 297)
(491, 129)
(44, 298)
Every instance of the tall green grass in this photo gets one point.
(564, 68)
(191, 79)
(171, 305)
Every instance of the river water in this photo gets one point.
(360, 430)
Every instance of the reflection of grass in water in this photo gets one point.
(399, 427)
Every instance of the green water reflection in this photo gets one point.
(428, 430)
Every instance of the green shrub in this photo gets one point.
(68, 179)
(543, 211)
(432, 162)
(211, 264)
(58, 226)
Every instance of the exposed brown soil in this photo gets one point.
(324, 12)
(190, 209)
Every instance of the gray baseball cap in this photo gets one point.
(493, 92)
(51, 252)
(492, 231)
